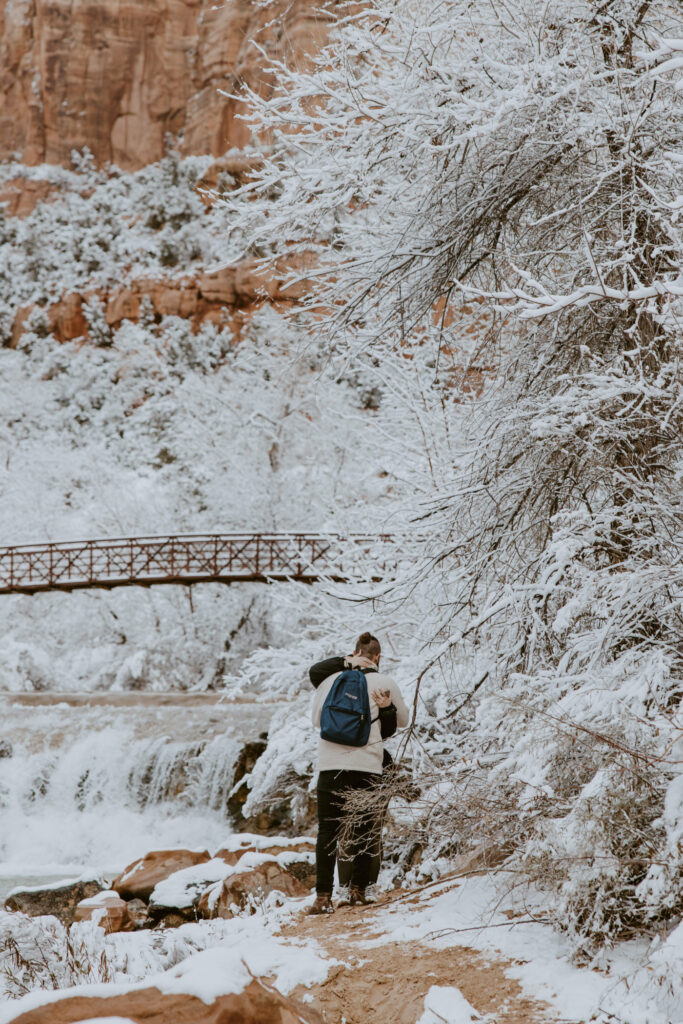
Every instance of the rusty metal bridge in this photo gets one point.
(194, 558)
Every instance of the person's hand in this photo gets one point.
(382, 698)
(358, 661)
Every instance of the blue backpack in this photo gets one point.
(345, 716)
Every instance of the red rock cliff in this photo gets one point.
(118, 75)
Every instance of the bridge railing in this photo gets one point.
(193, 558)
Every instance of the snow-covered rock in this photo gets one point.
(288, 870)
(240, 843)
(182, 889)
(139, 878)
(106, 909)
(256, 1004)
(238, 889)
(60, 899)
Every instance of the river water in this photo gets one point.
(90, 782)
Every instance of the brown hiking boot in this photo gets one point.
(322, 905)
(357, 897)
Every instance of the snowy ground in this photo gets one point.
(633, 984)
(476, 914)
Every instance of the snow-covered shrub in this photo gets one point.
(652, 992)
(607, 858)
(107, 227)
(40, 953)
(99, 331)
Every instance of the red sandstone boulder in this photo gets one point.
(255, 1005)
(230, 171)
(298, 858)
(303, 871)
(252, 283)
(123, 305)
(140, 877)
(107, 909)
(211, 296)
(237, 889)
(173, 299)
(210, 905)
(233, 856)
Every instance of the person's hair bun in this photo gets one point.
(368, 645)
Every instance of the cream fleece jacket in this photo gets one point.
(335, 756)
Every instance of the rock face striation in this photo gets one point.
(217, 296)
(117, 76)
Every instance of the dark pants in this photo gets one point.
(333, 788)
(344, 865)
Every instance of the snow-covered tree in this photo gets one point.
(495, 190)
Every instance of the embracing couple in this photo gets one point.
(356, 708)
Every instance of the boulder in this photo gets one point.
(270, 847)
(20, 317)
(174, 299)
(254, 1005)
(137, 916)
(277, 819)
(238, 888)
(210, 296)
(181, 891)
(163, 917)
(230, 171)
(208, 906)
(6, 748)
(303, 871)
(107, 909)
(123, 304)
(138, 880)
(60, 900)
(234, 856)
(298, 858)
(253, 282)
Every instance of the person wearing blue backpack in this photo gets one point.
(355, 707)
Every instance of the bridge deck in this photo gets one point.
(193, 558)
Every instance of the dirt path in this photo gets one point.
(387, 984)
